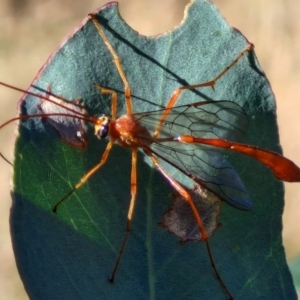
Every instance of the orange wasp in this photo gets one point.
(181, 136)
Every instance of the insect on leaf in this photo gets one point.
(71, 130)
(72, 253)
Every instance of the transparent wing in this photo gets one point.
(210, 119)
(204, 164)
(206, 167)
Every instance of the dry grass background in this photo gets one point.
(32, 29)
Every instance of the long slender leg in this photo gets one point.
(182, 191)
(86, 177)
(117, 62)
(133, 189)
(210, 83)
(114, 98)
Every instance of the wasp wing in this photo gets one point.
(203, 163)
(210, 119)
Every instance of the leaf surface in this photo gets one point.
(71, 254)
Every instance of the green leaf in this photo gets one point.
(294, 265)
(71, 254)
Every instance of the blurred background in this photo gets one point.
(32, 29)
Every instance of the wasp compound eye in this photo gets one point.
(103, 131)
